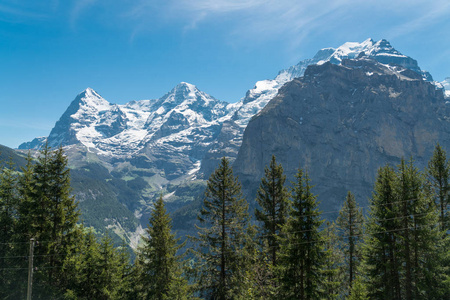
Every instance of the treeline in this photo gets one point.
(399, 250)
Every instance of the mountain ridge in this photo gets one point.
(171, 144)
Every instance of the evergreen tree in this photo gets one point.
(260, 278)
(26, 203)
(65, 233)
(382, 242)
(161, 274)
(109, 275)
(223, 241)
(403, 256)
(22, 232)
(82, 270)
(439, 176)
(48, 213)
(302, 252)
(8, 208)
(333, 270)
(125, 272)
(359, 290)
(350, 225)
(273, 198)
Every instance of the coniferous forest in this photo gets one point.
(285, 249)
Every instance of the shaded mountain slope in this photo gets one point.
(342, 122)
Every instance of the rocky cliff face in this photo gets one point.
(265, 90)
(342, 122)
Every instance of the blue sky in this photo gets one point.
(50, 50)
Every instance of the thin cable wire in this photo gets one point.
(337, 238)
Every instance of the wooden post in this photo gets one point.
(30, 269)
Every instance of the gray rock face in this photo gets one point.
(342, 122)
(36, 143)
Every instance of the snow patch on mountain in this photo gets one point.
(265, 90)
(446, 85)
(181, 120)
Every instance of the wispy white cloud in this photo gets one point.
(257, 20)
(244, 22)
(78, 8)
(262, 20)
(434, 12)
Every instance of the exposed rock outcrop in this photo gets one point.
(343, 122)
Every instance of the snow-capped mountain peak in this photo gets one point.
(90, 92)
(381, 51)
(348, 50)
(184, 93)
(184, 107)
(118, 130)
(185, 85)
(90, 97)
(90, 101)
(184, 90)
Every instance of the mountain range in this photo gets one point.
(123, 156)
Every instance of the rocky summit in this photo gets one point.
(342, 122)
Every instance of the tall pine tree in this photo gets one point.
(159, 266)
(82, 269)
(273, 198)
(302, 254)
(109, 276)
(8, 220)
(332, 283)
(48, 213)
(404, 253)
(350, 224)
(22, 232)
(439, 176)
(382, 259)
(223, 240)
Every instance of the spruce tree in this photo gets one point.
(302, 254)
(273, 198)
(125, 271)
(48, 213)
(223, 240)
(160, 267)
(439, 176)
(382, 259)
(403, 254)
(8, 218)
(82, 269)
(350, 226)
(332, 284)
(65, 234)
(109, 276)
(359, 290)
(26, 203)
(22, 230)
